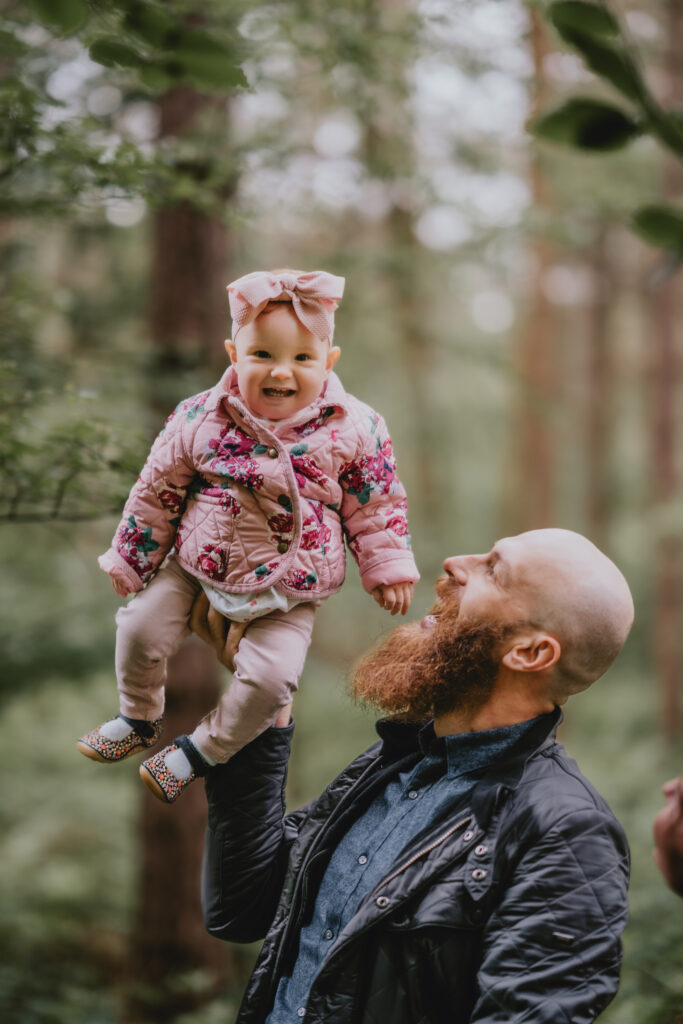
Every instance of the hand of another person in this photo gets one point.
(668, 835)
(394, 597)
(215, 630)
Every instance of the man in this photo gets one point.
(668, 835)
(462, 870)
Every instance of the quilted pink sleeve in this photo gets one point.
(374, 511)
(154, 507)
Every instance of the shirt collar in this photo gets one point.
(479, 749)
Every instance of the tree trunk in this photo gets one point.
(664, 308)
(599, 388)
(533, 485)
(187, 322)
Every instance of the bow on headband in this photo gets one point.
(314, 298)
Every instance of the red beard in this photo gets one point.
(416, 674)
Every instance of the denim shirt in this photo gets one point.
(451, 766)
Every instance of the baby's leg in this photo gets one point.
(151, 628)
(268, 664)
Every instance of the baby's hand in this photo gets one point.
(394, 597)
(121, 586)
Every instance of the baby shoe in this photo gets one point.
(142, 735)
(160, 780)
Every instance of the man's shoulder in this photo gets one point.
(553, 790)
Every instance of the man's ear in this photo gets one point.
(231, 349)
(332, 357)
(534, 653)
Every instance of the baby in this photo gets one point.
(247, 494)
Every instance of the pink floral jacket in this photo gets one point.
(249, 504)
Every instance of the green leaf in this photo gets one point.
(660, 225)
(207, 61)
(110, 51)
(587, 124)
(587, 18)
(151, 23)
(584, 27)
(64, 16)
(668, 127)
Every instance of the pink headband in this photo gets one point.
(314, 298)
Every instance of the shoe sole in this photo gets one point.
(95, 755)
(152, 785)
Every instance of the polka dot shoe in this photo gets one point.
(159, 778)
(99, 747)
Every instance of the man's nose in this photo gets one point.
(455, 568)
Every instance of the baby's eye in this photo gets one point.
(302, 357)
(261, 353)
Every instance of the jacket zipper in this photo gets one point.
(301, 880)
(421, 853)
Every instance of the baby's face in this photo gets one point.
(281, 367)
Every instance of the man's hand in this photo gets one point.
(668, 835)
(394, 597)
(215, 630)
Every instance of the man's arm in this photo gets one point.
(245, 851)
(668, 835)
(552, 948)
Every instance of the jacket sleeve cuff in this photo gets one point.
(396, 567)
(112, 562)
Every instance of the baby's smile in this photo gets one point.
(279, 392)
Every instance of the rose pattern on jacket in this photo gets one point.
(315, 534)
(172, 499)
(135, 544)
(301, 580)
(316, 423)
(264, 570)
(213, 562)
(371, 474)
(231, 457)
(305, 468)
(398, 521)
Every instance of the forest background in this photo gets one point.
(512, 307)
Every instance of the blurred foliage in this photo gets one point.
(602, 42)
(366, 129)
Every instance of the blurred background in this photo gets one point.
(498, 182)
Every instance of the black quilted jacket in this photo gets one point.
(510, 910)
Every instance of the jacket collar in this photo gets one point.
(401, 738)
(331, 396)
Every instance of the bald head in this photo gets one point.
(570, 589)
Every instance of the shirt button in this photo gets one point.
(469, 835)
(282, 547)
(272, 454)
(479, 874)
(382, 901)
(301, 1012)
(329, 934)
(481, 850)
(362, 859)
(412, 795)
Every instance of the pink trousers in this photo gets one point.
(268, 663)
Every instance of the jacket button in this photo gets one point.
(481, 850)
(479, 874)
(282, 547)
(272, 453)
(468, 837)
(382, 901)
